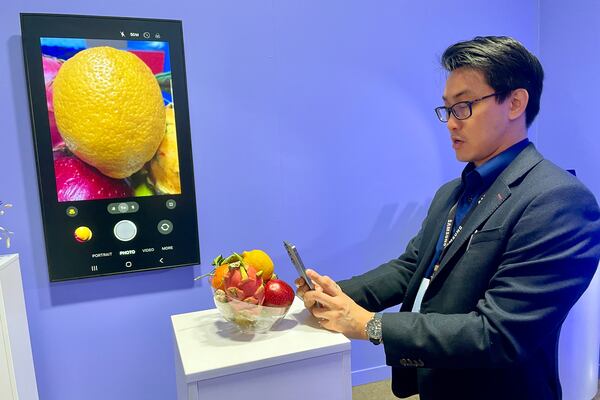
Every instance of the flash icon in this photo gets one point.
(122, 34)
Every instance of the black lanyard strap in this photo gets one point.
(448, 230)
(449, 225)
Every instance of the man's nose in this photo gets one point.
(453, 123)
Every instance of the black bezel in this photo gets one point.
(66, 261)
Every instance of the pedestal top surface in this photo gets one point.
(210, 347)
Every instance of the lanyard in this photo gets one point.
(448, 231)
(449, 225)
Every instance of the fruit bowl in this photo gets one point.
(246, 291)
(248, 317)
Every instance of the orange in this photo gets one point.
(109, 110)
(260, 261)
(164, 167)
(219, 276)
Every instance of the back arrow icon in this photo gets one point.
(161, 261)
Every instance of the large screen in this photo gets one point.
(111, 114)
(112, 140)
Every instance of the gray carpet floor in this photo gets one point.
(382, 391)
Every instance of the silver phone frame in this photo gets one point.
(297, 262)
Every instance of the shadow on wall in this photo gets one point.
(387, 239)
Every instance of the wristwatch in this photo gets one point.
(373, 329)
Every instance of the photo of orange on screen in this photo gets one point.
(112, 122)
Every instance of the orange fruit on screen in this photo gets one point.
(218, 277)
(109, 110)
(164, 167)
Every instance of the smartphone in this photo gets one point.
(297, 261)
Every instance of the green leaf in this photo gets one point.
(217, 261)
(235, 257)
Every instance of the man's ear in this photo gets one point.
(518, 103)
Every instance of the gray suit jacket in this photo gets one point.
(491, 317)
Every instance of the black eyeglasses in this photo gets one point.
(461, 110)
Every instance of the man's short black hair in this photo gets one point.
(506, 65)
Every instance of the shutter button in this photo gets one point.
(125, 230)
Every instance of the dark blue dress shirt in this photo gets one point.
(475, 181)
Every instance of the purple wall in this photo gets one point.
(570, 53)
(326, 108)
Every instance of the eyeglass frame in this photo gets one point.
(450, 110)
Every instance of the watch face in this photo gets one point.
(374, 330)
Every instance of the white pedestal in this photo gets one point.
(579, 345)
(295, 360)
(17, 376)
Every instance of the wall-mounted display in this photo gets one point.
(112, 140)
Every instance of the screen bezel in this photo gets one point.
(36, 26)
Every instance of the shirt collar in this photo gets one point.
(483, 176)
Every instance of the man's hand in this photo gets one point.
(335, 310)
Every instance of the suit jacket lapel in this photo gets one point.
(495, 196)
(438, 219)
(435, 221)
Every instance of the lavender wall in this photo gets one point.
(570, 52)
(312, 121)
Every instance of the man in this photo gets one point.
(503, 254)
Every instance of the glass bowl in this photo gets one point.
(248, 317)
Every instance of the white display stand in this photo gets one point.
(579, 346)
(17, 376)
(296, 359)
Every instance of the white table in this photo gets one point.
(17, 374)
(296, 359)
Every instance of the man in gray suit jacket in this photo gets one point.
(503, 254)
